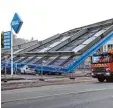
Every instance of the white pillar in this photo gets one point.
(11, 52)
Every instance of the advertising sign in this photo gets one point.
(7, 40)
(16, 23)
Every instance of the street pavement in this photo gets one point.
(79, 95)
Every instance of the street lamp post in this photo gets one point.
(42, 79)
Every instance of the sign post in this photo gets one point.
(11, 52)
(16, 24)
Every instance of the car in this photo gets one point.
(27, 70)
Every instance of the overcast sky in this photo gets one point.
(45, 18)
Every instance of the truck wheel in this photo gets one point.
(101, 79)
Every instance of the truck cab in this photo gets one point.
(102, 66)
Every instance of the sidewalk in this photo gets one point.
(33, 81)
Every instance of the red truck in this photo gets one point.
(102, 66)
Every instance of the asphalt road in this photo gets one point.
(87, 95)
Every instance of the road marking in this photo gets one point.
(81, 92)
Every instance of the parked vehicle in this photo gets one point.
(27, 70)
(102, 66)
